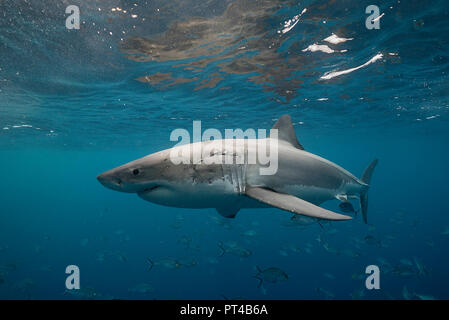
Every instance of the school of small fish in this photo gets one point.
(240, 245)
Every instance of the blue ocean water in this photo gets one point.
(75, 103)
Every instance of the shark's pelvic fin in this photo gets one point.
(228, 212)
(293, 204)
(286, 132)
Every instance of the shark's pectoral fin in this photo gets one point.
(292, 204)
(228, 212)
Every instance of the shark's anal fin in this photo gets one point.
(292, 204)
(228, 212)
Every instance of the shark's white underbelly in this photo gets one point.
(222, 193)
(218, 193)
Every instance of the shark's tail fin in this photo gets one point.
(366, 178)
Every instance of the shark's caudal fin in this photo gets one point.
(366, 178)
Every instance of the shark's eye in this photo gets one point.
(135, 172)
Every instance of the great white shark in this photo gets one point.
(302, 182)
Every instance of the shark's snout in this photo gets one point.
(110, 181)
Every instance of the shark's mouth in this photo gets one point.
(147, 193)
(147, 190)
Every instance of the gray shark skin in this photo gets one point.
(301, 183)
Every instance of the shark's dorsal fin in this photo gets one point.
(286, 132)
(293, 204)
